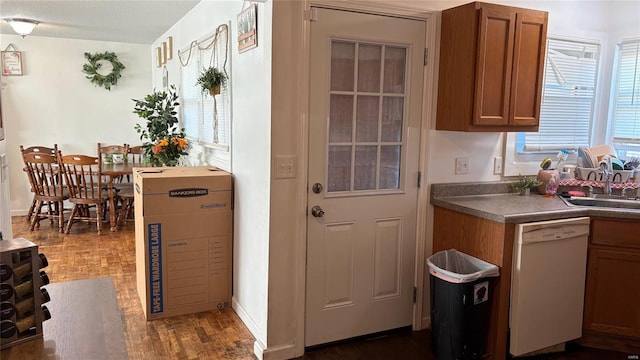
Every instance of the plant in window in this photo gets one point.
(211, 80)
(163, 141)
(524, 184)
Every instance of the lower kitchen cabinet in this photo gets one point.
(612, 296)
(489, 241)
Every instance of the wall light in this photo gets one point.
(23, 27)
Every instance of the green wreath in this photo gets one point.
(93, 66)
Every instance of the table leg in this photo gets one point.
(112, 206)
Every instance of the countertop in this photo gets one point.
(493, 201)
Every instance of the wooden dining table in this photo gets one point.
(112, 172)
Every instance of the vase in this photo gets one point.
(214, 90)
(170, 163)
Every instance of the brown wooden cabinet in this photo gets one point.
(491, 68)
(612, 296)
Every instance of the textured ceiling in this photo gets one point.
(129, 21)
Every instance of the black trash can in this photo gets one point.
(460, 304)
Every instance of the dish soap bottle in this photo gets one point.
(552, 188)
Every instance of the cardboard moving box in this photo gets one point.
(183, 239)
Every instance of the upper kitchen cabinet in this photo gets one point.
(491, 68)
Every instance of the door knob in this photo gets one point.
(317, 211)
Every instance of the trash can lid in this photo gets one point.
(457, 267)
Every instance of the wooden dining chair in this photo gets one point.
(48, 187)
(135, 155)
(37, 150)
(105, 152)
(86, 192)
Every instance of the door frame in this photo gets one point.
(431, 20)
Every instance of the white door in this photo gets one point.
(364, 132)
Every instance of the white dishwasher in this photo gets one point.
(547, 283)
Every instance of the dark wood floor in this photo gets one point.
(209, 335)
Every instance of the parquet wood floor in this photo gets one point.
(217, 334)
(83, 254)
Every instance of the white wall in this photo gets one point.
(54, 103)
(250, 81)
(5, 209)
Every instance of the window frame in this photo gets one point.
(202, 151)
(519, 162)
(626, 147)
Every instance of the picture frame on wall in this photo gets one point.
(11, 63)
(247, 29)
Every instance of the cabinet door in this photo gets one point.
(612, 292)
(528, 68)
(493, 67)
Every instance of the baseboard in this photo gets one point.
(426, 322)
(281, 352)
(258, 346)
(19, 212)
(274, 353)
(258, 349)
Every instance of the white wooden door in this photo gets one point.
(365, 108)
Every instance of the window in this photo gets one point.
(626, 100)
(207, 119)
(566, 112)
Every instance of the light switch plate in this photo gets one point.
(462, 165)
(497, 165)
(285, 167)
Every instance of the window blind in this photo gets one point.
(626, 114)
(216, 125)
(201, 122)
(566, 113)
(191, 100)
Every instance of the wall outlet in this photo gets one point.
(497, 165)
(285, 167)
(462, 165)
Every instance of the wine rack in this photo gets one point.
(22, 296)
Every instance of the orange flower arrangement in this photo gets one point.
(169, 150)
(163, 140)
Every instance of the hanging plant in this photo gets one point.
(94, 65)
(210, 80)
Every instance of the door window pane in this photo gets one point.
(390, 167)
(367, 118)
(392, 115)
(365, 132)
(339, 169)
(340, 118)
(365, 167)
(394, 60)
(342, 65)
(369, 65)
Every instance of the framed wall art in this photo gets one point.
(11, 63)
(247, 29)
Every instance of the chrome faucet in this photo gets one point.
(607, 174)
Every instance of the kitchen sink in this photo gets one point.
(608, 201)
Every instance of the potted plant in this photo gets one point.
(524, 184)
(163, 141)
(211, 80)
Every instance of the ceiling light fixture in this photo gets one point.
(22, 27)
